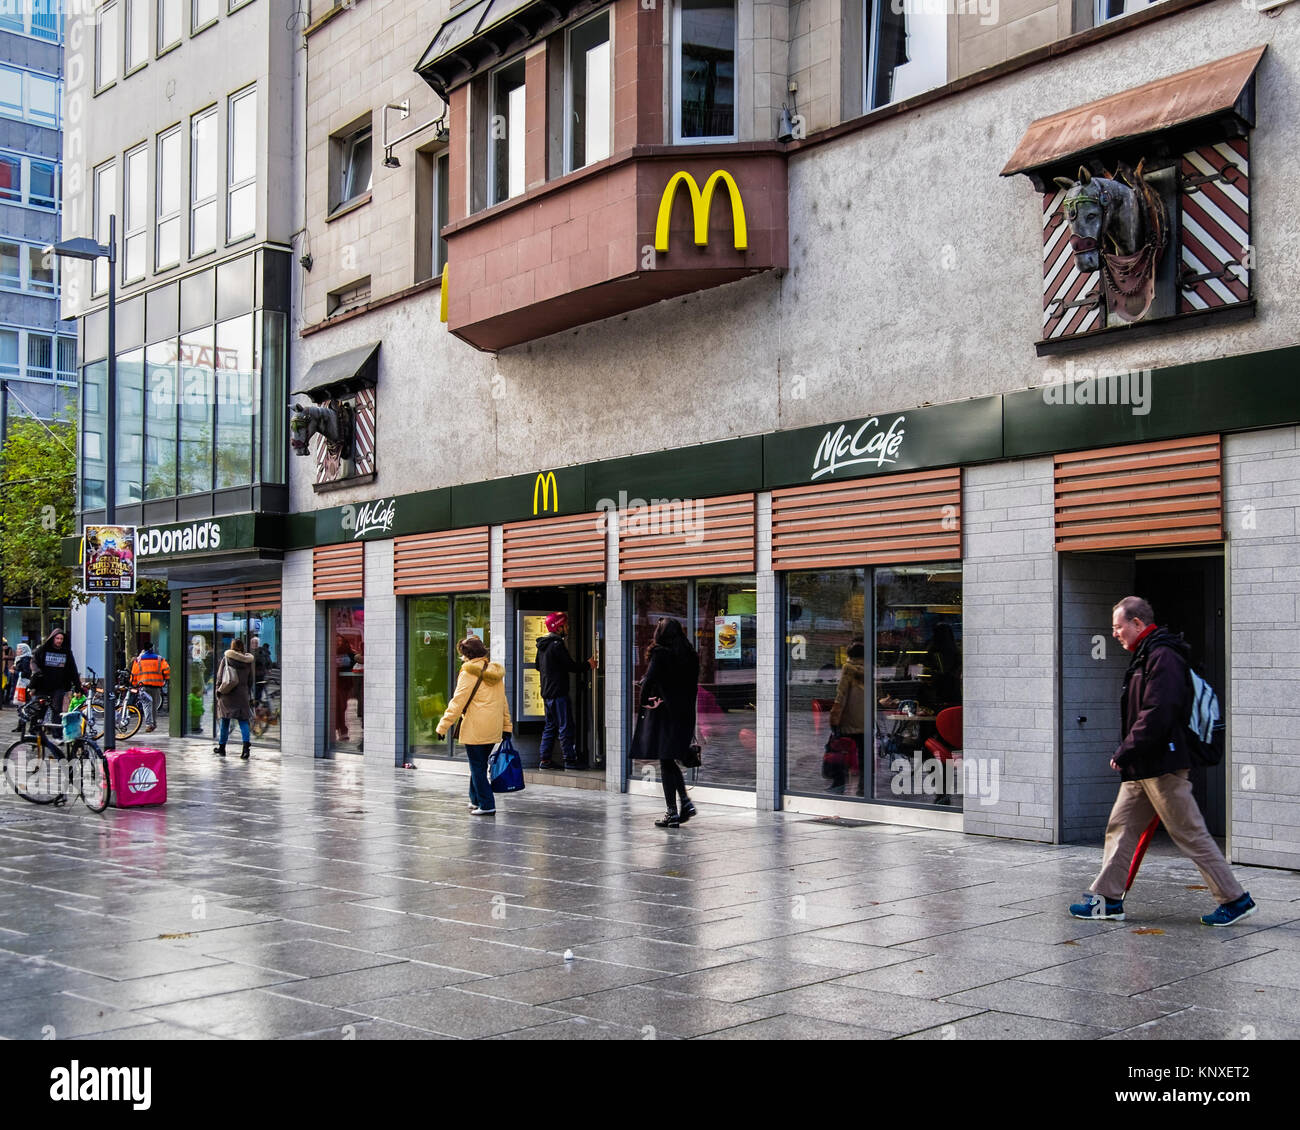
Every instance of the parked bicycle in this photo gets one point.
(44, 772)
(126, 707)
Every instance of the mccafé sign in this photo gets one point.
(701, 202)
(194, 538)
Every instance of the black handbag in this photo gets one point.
(692, 758)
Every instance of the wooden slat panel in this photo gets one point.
(1164, 493)
(338, 572)
(553, 551)
(251, 596)
(450, 561)
(891, 518)
(716, 536)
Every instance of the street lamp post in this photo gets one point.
(82, 248)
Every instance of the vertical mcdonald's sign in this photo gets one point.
(701, 201)
(544, 485)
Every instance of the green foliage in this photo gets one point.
(38, 509)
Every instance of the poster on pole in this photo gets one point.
(108, 560)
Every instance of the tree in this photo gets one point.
(38, 469)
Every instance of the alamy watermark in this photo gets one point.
(1079, 384)
(972, 778)
(681, 517)
(987, 10)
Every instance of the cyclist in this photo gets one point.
(150, 672)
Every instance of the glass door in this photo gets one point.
(199, 703)
(346, 706)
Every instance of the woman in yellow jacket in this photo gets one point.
(480, 699)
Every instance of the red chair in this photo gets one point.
(946, 745)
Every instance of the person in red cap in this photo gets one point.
(555, 665)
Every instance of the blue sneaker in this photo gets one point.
(1231, 912)
(1094, 906)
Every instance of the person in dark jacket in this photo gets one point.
(555, 665)
(54, 670)
(1154, 763)
(666, 726)
(236, 703)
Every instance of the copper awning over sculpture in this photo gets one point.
(1170, 114)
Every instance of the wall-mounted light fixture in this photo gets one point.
(441, 132)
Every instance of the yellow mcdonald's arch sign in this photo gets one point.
(545, 482)
(442, 297)
(700, 204)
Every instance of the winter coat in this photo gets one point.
(237, 703)
(849, 712)
(555, 665)
(1154, 709)
(487, 717)
(23, 662)
(54, 669)
(665, 732)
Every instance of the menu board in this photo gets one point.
(532, 626)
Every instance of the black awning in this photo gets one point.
(341, 374)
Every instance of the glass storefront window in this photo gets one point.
(160, 421)
(237, 397)
(434, 626)
(196, 412)
(719, 618)
(130, 425)
(199, 714)
(264, 644)
(209, 636)
(347, 682)
(910, 666)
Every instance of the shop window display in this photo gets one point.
(434, 625)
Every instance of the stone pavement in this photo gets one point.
(299, 899)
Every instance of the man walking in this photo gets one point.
(555, 665)
(1154, 763)
(150, 673)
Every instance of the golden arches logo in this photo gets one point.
(545, 482)
(700, 205)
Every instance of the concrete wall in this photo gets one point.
(1009, 651)
(1262, 513)
(306, 662)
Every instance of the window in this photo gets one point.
(67, 370)
(705, 69)
(28, 180)
(241, 201)
(11, 92)
(506, 133)
(348, 297)
(106, 46)
(203, 182)
(137, 33)
(26, 267)
(40, 19)
(30, 97)
(905, 51)
(105, 206)
(9, 353)
(11, 178)
(135, 191)
(1114, 9)
(587, 88)
(42, 184)
(167, 200)
(202, 13)
(170, 24)
(41, 271)
(353, 177)
(441, 184)
(40, 356)
(11, 274)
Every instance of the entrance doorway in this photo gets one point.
(585, 607)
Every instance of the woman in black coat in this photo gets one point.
(666, 725)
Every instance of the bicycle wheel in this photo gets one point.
(128, 720)
(95, 721)
(93, 785)
(33, 772)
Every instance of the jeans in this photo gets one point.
(223, 730)
(146, 704)
(480, 792)
(559, 716)
(674, 783)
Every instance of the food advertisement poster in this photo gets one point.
(532, 626)
(726, 637)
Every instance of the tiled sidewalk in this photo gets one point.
(290, 898)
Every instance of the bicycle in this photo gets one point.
(42, 772)
(126, 710)
(266, 711)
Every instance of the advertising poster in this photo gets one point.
(726, 637)
(532, 626)
(108, 560)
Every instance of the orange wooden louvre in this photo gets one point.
(338, 572)
(252, 595)
(553, 551)
(450, 561)
(1144, 494)
(886, 519)
(691, 538)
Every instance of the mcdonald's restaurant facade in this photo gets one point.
(847, 398)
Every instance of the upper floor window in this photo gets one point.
(588, 89)
(704, 66)
(135, 221)
(105, 206)
(41, 19)
(43, 352)
(29, 96)
(506, 132)
(202, 13)
(351, 170)
(107, 42)
(27, 267)
(241, 165)
(137, 33)
(905, 50)
(203, 182)
(29, 180)
(167, 200)
(171, 24)
(1114, 9)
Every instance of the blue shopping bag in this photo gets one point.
(505, 770)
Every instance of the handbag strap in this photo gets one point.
(465, 709)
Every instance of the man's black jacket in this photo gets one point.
(1154, 708)
(555, 665)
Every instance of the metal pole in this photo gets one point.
(110, 482)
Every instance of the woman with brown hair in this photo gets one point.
(235, 672)
(480, 704)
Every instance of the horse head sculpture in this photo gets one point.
(1100, 209)
(332, 424)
